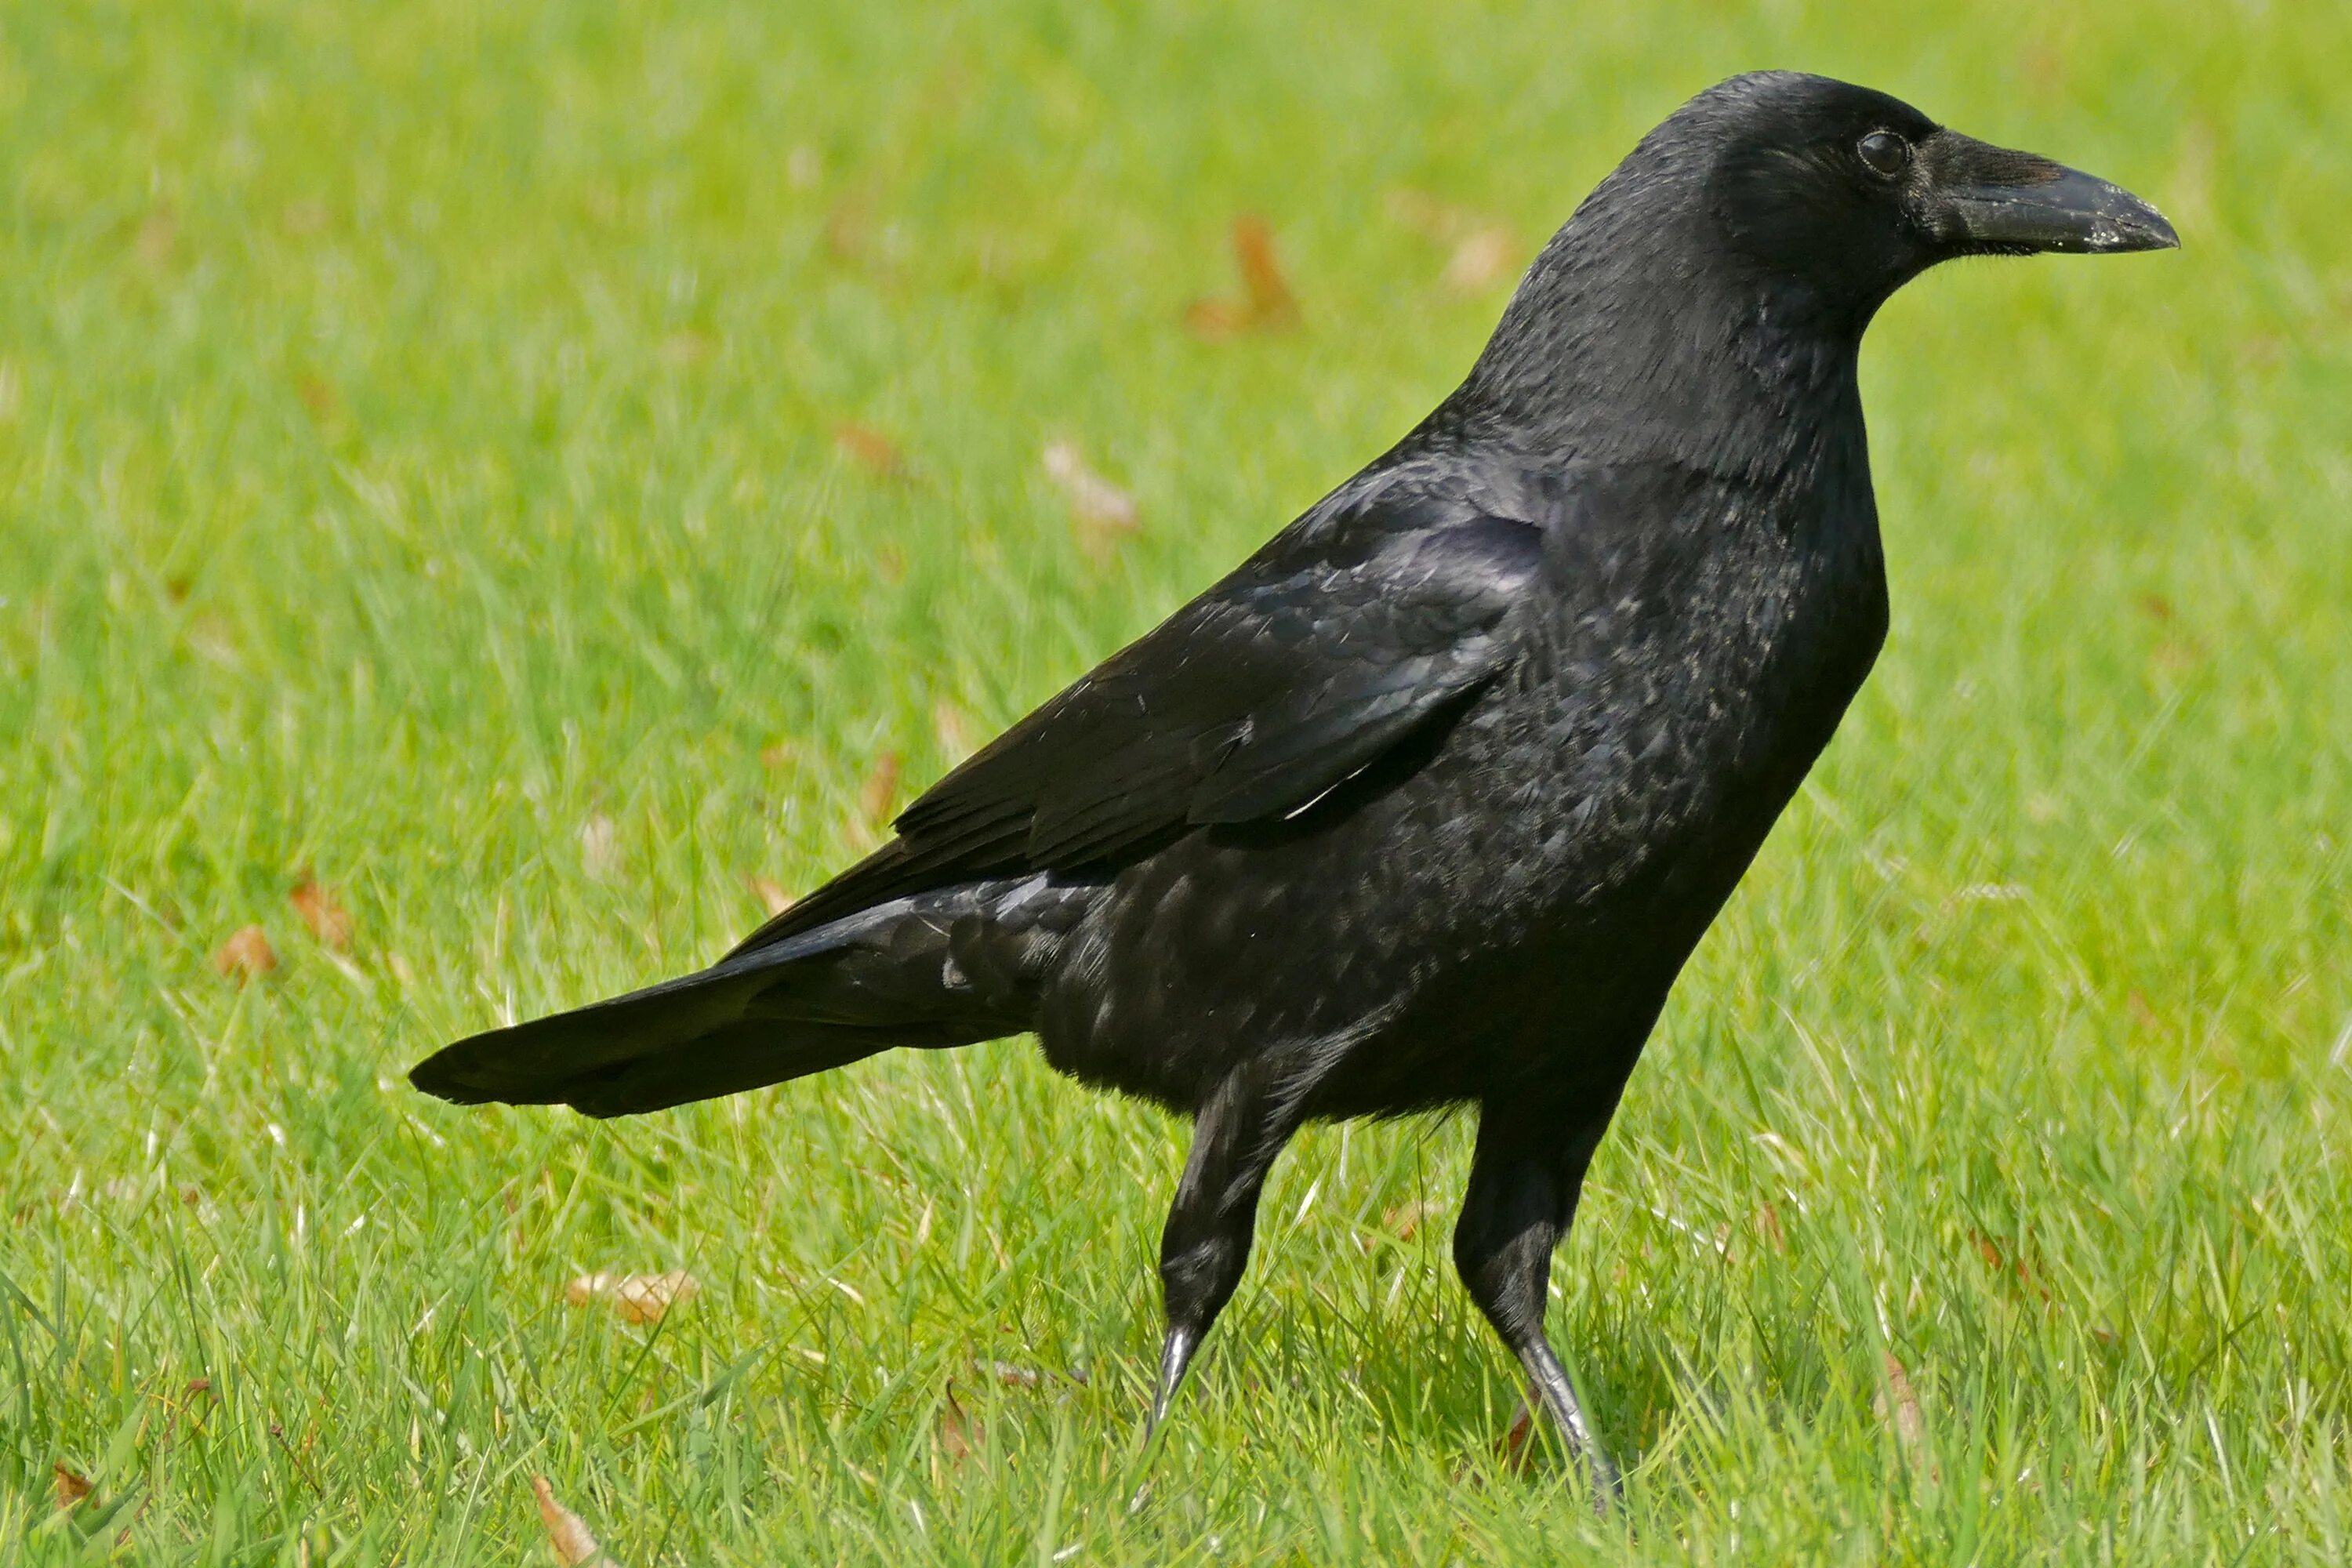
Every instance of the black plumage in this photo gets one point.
(1428, 802)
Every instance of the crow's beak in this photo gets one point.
(2056, 208)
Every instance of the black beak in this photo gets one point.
(2055, 208)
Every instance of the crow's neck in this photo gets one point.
(1602, 359)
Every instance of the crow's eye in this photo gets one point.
(1884, 152)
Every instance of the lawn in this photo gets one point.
(490, 495)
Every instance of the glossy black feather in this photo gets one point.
(1428, 802)
(1298, 670)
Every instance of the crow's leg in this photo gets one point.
(1522, 1194)
(1236, 1137)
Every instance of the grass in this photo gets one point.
(418, 472)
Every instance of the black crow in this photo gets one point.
(1426, 803)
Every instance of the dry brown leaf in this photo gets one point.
(574, 1546)
(1271, 304)
(1100, 512)
(1266, 302)
(1481, 258)
(72, 1486)
(647, 1298)
(2156, 606)
(2005, 1257)
(1481, 251)
(328, 920)
(879, 793)
(1405, 1219)
(600, 844)
(954, 728)
(771, 894)
(1898, 1407)
(319, 396)
(1517, 1446)
(637, 1297)
(1766, 1221)
(1431, 216)
(869, 450)
(1216, 318)
(958, 1435)
(246, 955)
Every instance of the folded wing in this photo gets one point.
(1293, 674)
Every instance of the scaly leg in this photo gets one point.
(1524, 1181)
(1236, 1137)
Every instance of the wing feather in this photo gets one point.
(1255, 700)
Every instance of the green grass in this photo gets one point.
(416, 445)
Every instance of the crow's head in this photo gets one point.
(1858, 193)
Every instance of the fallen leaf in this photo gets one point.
(1481, 259)
(246, 955)
(1271, 302)
(647, 1298)
(637, 1297)
(1897, 1407)
(869, 450)
(954, 729)
(880, 790)
(1481, 251)
(958, 1435)
(1266, 302)
(1099, 510)
(600, 844)
(771, 894)
(72, 1486)
(328, 920)
(1216, 318)
(1517, 1446)
(778, 757)
(319, 397)
(2156, 606)
(574, 1546)
(1431, 216)
(1404, 1219)
(2006, 1257)
(1766, 1221)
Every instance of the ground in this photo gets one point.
(491, 495)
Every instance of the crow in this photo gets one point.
(1425, 805)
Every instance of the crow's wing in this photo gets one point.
(1250, 702)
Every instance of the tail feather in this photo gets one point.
(934, 970)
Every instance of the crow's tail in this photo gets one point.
(943, 968)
